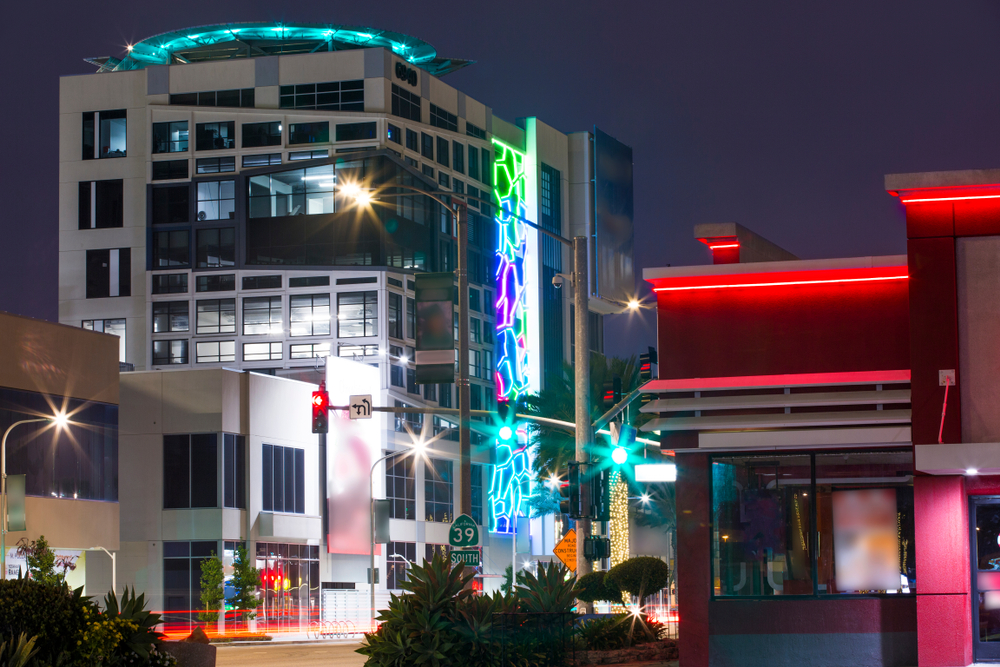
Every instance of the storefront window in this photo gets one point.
(812, 524)
(290, 586)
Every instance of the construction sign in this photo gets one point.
(566, 550)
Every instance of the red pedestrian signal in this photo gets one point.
(320, 407)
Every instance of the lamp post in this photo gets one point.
(114, 568)
(60, 421)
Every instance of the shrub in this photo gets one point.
(54, 615)
(598, 587)
(142, 637)
(246, 580)
(619, 631)
(43, 562)
(640, 576)
(17, 654)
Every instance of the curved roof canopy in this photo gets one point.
(227, 41)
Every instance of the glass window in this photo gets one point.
(474, 131)
(170, 283)
(170, 204)
(171, 249)
(412, 140)
(170, 137)
(114, 327)
(190, 471)
(308, 155)
(401, 487)
(405, 104)
(109, 273)
(225, 282)
(357, 314)
(262, 282)
(309, 350)
(329, 96)
(169, 316)
(458, 157)
(309, 281)
(438, 491)
(261, 160)
(477, 493)
(444, 180)
(216, 316)
(476, 396)
(284, 479)
(348, 350)
(216, 248)
(167, 352)
(215, 351)
(104, 134)
(101, 204)
(399, 557)
(309, 314)
(427, 170)
(216, 200)
(411, 318)
(233, 471)
(215, 165)
(309, 133)
(443, 151)
(262, 352)
(475, 330)
(261, 315)
(395, 315)
(474, 303)
(261, 134)
(216, 98)
(294, 192)
(427, 145)
(444, 395)
(166, 170)
(475, 362)
(443, 119)
(356, 131)
(473, 162)
(215, 136)
(394, 134)
(487, 160)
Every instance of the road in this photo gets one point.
(298, 655)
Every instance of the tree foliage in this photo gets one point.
(598, 587)
(43, 564)
(246, 581)
(212, 588)
(640, 576)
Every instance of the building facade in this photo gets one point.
(70, 490)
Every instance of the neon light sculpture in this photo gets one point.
(511, 475)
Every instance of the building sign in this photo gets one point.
(435, 337)
(613, 276)
(566, 550)
(407, 74)
(866, 540)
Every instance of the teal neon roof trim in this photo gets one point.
(228, 41)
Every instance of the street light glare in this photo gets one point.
(60, 420)
(633, 304)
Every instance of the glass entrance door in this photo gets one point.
(984, 526)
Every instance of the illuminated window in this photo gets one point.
(261, 315)
(169, 352)
(261, 351)
(401, 487)
(215, 351)
(438, 487)
(357, 314)
(345, 350)
(170, 316)
(309, 350)
(104, 134)
(215, 165)
(115, 327)
(309, 315)
(170, 137)
(216, 200)
(216, 316)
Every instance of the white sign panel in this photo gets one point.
(656, 472)
(360, 407)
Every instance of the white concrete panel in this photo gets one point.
(192, 401)
(266, 97)
(322, 67)
(69, 523)
(958, 458)
(832, 437)
(475, 112)
(140, 482)
(225, 75)
(377, 95)
(442, 94)
(194, 524)
(97, 92)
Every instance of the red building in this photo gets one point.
(836, 427)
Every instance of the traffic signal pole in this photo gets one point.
(461, 216)
(584, 434)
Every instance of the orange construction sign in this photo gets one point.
(566, 550)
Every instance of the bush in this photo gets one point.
(54, 615)
(598, 587)
(640, 576)
(620, 631)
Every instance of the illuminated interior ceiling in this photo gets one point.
(227, 41)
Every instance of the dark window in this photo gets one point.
(101, 204)
(438, 491)
(309, 133)
(357, 281)
(473, 162)
(401, 487)
(182, 578)
(166, 170)
(171, 249)
(487, 160)
(444, 395)
(109, 273)
(399, 557)
(216, 98)
(474, 300)
(442, 151)
(395, 282)
(395, 315)
(330, 96)
(309, 281)
(261, 315)
(215, 165)
(444, 180)
(234, 483)
(219, 283)
(170, 137)
(411, 381)
(261, 134)
(262, 282)
(412, 140)
(190, 471)
(477, 493)
(474, 131)
(170, 283)
(170, 316)
(394, 134)
(167, 352)
(405, 104)
(171, 204)
(215, 351)
(216, 248)
(476, 397)
(215, 136)
(261, 160)
(216, 316)
(309, 350)
(309, 315)
(357, 314)
(458, 157)
(396, 376)
(308, 155)
(104, 134)
(357, 131)
(411, 318)
(427, 146)
(443, 119)
(284, 475)
(262, 352)
(427, 171)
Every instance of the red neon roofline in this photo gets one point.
(927, 199)
(776, 283)
(723, 245)
(790, 380)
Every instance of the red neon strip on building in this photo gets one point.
(724, 245)
(914, 201)
(776, 284)
(787, 380)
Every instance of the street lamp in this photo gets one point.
(114, 568)
(61, 420)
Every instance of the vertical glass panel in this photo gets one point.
(761, 534)
(267, 486)
(176, 472)
(204, 470)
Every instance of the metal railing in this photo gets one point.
(546, 636)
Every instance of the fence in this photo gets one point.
(547, 637)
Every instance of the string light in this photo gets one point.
(619, 519)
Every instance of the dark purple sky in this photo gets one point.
(782, 116)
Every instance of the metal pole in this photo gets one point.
(465, 416)
(581, 322)
(371, 512)
(3, 492)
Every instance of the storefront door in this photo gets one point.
(984, 528)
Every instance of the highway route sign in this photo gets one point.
(464, 532)
(360, 407)
(566, 550)
(467, 558)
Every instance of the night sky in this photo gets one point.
(782, 116)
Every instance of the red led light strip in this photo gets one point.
(915, 201)
(724, 245)
(776, 284)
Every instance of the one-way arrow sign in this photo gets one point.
(360, 407)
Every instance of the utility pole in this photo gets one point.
(464, 408)
(581, 325)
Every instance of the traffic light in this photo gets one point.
(646, 362)
(600, 495)
(574, 507)
(612, 392)
(320, 407)
(596, 548)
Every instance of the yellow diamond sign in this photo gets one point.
(566, 550)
